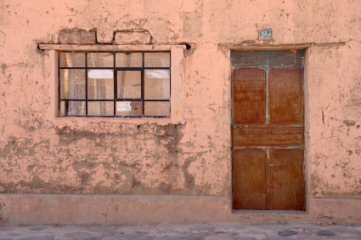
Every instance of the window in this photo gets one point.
(114, 84)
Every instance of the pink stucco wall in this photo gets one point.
(188, 154)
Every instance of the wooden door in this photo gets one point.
(267, 130)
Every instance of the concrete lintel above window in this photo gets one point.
(95, 47)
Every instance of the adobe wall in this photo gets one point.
(40, 153)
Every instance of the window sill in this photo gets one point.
(88, 121)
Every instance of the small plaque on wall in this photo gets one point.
(265, 34)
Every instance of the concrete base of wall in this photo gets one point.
(18, 209)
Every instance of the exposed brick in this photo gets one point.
(105, 36)
(132, 37)
(77, 36)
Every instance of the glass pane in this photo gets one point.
(129, 59)
(125, 108)
(72, 108)
(100, 108)
(156, 84)
(157, 59)
(100, 60)
(157, 109)
(129, 84)
(72, 84)
(100, 84)
(72, 59)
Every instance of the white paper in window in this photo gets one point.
(100, 74)
(124, 107)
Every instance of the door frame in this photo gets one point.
(307, 51)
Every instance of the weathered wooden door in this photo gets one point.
(268, 130)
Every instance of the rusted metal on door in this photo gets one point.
(250, 186)
(268, 130)
(286, 179)
(286, 100)
(249, 92)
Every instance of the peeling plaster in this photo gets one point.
(42, 154)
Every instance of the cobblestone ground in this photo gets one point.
(182, 232)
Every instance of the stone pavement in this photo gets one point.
(226, 231)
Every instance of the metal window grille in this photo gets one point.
(64, 102)
(272, 58)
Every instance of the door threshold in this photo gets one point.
(268, 212)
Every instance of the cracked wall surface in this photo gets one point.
(40, 153)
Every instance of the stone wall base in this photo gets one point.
(18, 209)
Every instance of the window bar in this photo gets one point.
(121, 99)
(157, 68)
(59, 103)
(115, 79)
(170, 83)
(86, 84)
(142, 84)
(88, 68)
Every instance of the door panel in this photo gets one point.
(267, 136)
(286, 96)
(268, 130)
(249, 95)
(287, 186)
(249, 180)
